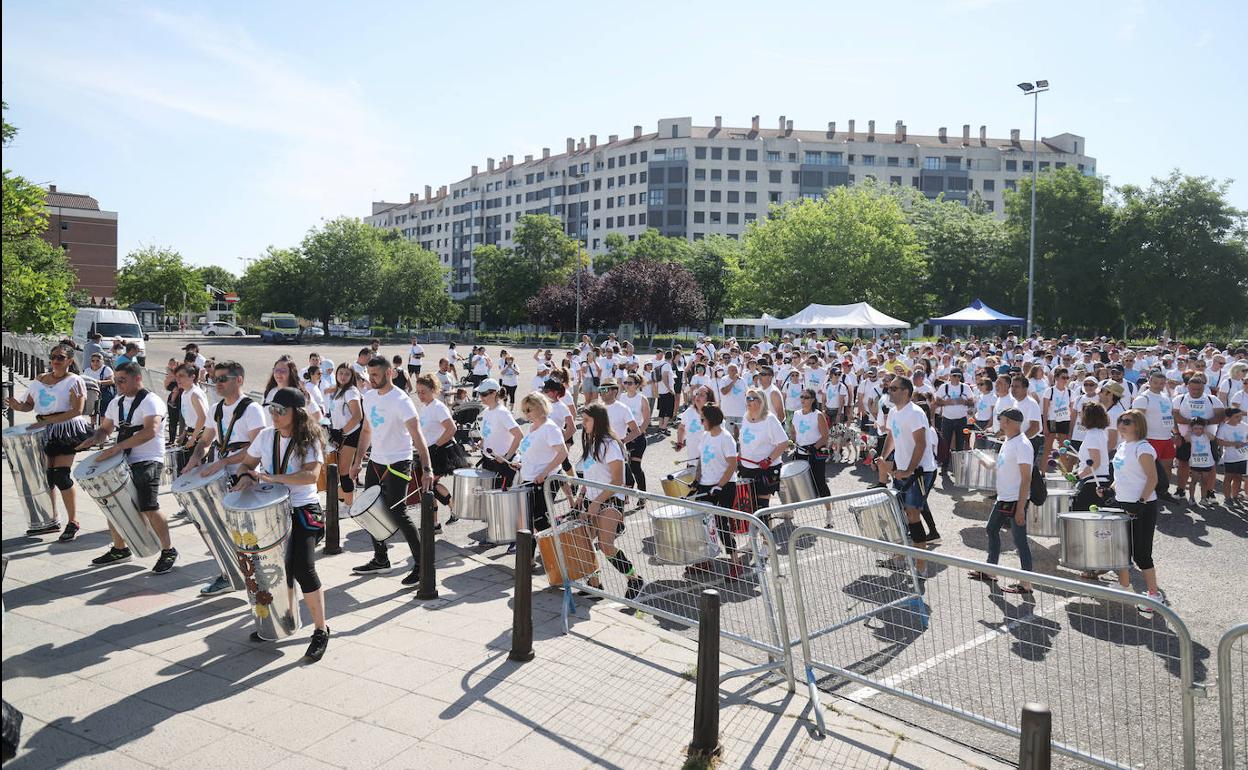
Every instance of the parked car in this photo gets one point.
(313, 331)
(222, 329)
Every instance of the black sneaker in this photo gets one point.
(318, 645)
(219, 585)
(452, 519)
(373, 567)
(413, 577)
(71, 529)
(182, 514)
(165, 562)
(437, 528)
(112, 556)
(635, 584)
(45, 529)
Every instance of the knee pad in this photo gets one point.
(347, 484)
(60, 478)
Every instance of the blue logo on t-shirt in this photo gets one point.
(708, 454)
(46, 399)
(695, 425)
(526, 443)
(485, 430)
(1119, 461)
(588, 463)
(375, 417)
(738, 388)
(748, 436)
(804, 427)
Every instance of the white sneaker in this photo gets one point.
(1159, 596)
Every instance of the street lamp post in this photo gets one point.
(1035, 90)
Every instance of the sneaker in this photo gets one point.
(316, 648)
(933, 539)
(373, 567)
(71, 529)
(877, 485)
(635, 584)
(452, 519)
(511, 549)
(112, 556)
(165, 562)
(437, 528)
(219, 585)
(1180, 495)
(1155, 595)
(413, 577)
(45, 529)
(182, 514)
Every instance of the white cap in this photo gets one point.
(489, 385)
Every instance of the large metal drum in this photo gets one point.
(975, 469)
(683, 535)
(506, 510)
(466, 486)
(796, 482)
(879, 517)
(369, 511)
(1042, 520)
(1058, 481)
(201, 497)
(575, 546)
(681, 483)
(169, 473)
(259, 519)
(109, 484)
(1095, 540)
(23, 447)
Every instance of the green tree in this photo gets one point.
(217, 277)
(1184, 254)
(715, 262)
(412, 284)
(38, 282)
(22, 202)
(501, 276)
(507, 278)
(272, 283)
(341, 261)
(649, 246)
(851, 246)
(547, 252)
(159, 274)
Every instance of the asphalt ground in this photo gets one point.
(1101, 665)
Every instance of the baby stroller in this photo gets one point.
(467, 418)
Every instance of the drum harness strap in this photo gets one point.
(222, 442)
(124, 429)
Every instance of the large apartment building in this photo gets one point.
(692, 181)
(89, 238)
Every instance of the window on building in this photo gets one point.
(990, 205)
(894, 160)
(610, 162)
(773, 156)
(656, 196)
(813, 157)
(956, 183)
(699, 153)
(773, 196)
(699, 196)
(1011, 184)
(1044, 165)
(610, 182)
(990, 185)
(774, 176)
(716, 196)
(734, 196)
(909, 162)
(734, 153)
(1011, 165)
(751, 196)
(597, 184)
(795, 177)
(641, 177)
(894, 180)
(611, 201)
(734, 175)
(750, 217)
(733, 218)
(717, 175)
(632, 219)
(1060, 164)
(699, 174)
(597, 203)
(699, 217)
(751, 155)
(717, 153)
(715, 217)
(675, 217)
(658, 175)
(699, 236)
(632, 158)
(792, 157)
(1026, 166)
(677, 153)
(642, 158)
(751, 176)
(931, 163)
(868, 160)
(675, 196)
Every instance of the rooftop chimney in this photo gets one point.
(870, 130)
(966, 134)
(489, 165)
(528, 158)
(850, 136)
(788, 127)
(983, 136)
(754, 124)
(1014, 136)
(474, 170)
(442, 191)
(428, 192)
(782, 124)
(636, 132)
(51, 188)
(593, 141)
(613, 138)
(831, 128)
(944, 134)
(412, 197)
(571, 145)
(719, 121)
(545, 153)
(580, 146)
(899, 132)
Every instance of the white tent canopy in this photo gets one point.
(859, 315)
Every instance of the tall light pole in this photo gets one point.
(1035, 90)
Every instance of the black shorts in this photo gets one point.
(1236, 469)
(337, 439)
(1059, 426)
(413, 369)
(667, 404)
(447, 458)
(146, 477)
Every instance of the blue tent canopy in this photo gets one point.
(976, 314)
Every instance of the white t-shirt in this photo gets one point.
(480, 365)
(1096, 438)
(599, 469)
(254, 417)
(509, 375)
(1202, 451)
(1228, 432)
(732, 402)
(984, 404)
(792, 395)
(1129, 478)
(415, 355)
(445, 381)
(715, 452)
(957, 392)
(928, 463)
(1159, 411)
(1197, 407)
(836, 395)
(432, 415)
(151, 405)
(1059, 403)
(49, 400)
(496, 426)
(340, 408)
(695, 430)
(902, 423)
(620, 416)
(806, 427)
(662, 373)
(1028, 406)
(537, 449)
(191, 397)
(759, 439)
(388, 416)
(635, 405)
(1014, 452)
(262, 447)
(559, 413)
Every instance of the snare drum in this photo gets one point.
(369, 511)
(201, 497)
(110, 485)
(683, 535)
(23, 447)
(681, 483)
(259, 519)
(467, 484)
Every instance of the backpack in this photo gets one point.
(1039, 491)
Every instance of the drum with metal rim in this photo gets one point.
(23, 448)
(797, 485)
(259, 519)
(202, 498)
(369, 511)
(467, 484)
(683, 535)
(110, 485)
(506, 511)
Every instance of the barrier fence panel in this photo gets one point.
(1233, 696)
(1119, 681)
(666, 552)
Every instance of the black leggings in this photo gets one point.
(511, 393)
(951, 432)
(724, 499)
(539, 515)
(1143, 526)
(504, 470)
(636, 450)
(1086, 496)
(818, 469)
(394, 492)
(301, 553)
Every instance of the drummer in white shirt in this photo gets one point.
(602, 461)
(500, 434)
(542, 452)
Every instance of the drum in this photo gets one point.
(467, 484)
(506, 510)
(1058, 481)
(23, 447)
(201, 497)
(1042, 520)
(169, 472)
(796, 482)
(680, 484)
(259, 519)
(576, 547)
(879, 517)
(109, 484)
(683, 535)
(369, 511)
(974, 469)
(1099, 540)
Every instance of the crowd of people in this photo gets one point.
(1131, 427)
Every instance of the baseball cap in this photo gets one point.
(289, 398)
(489, 385)
(1013, 414)
(1114, 388)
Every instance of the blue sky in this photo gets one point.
(221, 128)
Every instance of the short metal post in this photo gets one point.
(428, 569)
(8, 410)
(332, 547)
(522, 602)
(1034, 751)
(706, 697)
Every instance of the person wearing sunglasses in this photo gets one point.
(763, 442)
(810, 433)
(291, 453)
(139, 418)
(905, 448)
(58, 398)
(1135, 488)
(542, 452)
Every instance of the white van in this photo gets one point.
(110, 324)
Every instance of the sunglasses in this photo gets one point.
(752, 399)
(278, 409)
(892, 388)
(1125, 421)
(804, 398)
(223, 378)
(59, 357)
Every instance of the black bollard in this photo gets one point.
(522, 602)
(1034, 751)
(706, 698)
(332, 537)
(428, 569)
(8, 410)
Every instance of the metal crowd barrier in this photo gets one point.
(1119, 683)
(676, 553)
(1233, 696)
